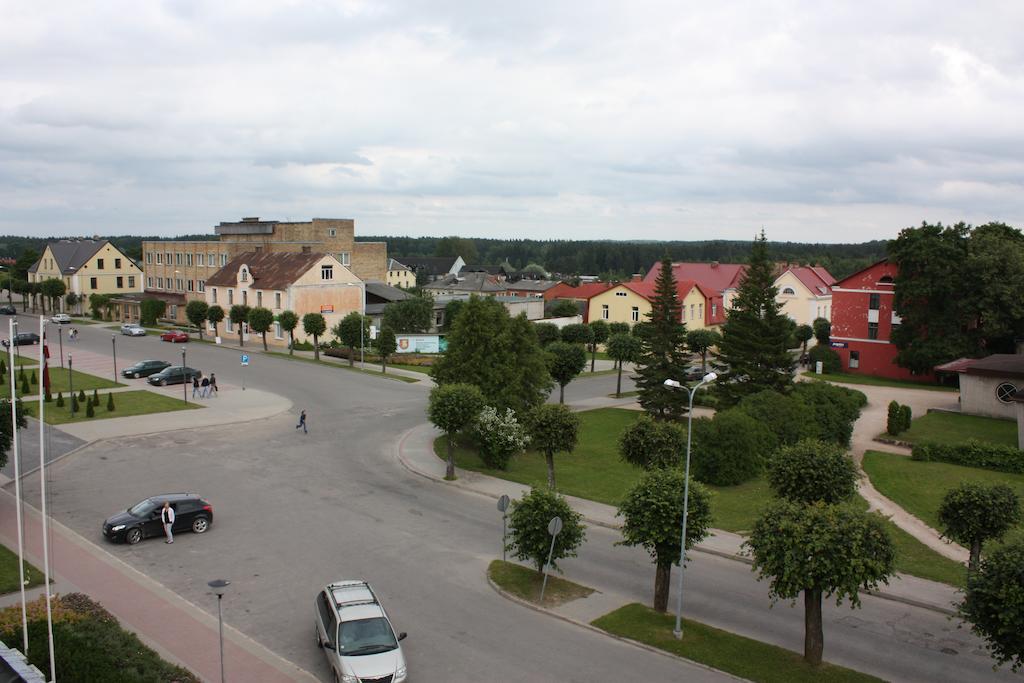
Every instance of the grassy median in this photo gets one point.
(953, 428)
(344, 366)
(9, 572)
(868, 380)
(525, 582)
(126, 404)
(59, 381)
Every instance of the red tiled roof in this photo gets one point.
(269, 269)
(816, 279)
(712, 277)
(646, 289)
(584, 291)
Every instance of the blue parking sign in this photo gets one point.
(245, 359)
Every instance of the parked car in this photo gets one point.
(23, 339)
(356, 635)
(8, 310)
(60, 318)
(133, 330)
(142, 520)
(175, 374)
(174, 336)
(145, 368)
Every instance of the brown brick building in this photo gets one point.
(183, 267)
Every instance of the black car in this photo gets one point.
(23, 339)
(175, 374)
(8, 310)
(142, 520)
(145, 368)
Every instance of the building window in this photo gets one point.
(874, 302)
(245, 297)
(131, 282)
(231, 297)
(620, 294)
(277, 299)
(700, 314)
(160, 282)
(188, 259)
(201, 286)
(120, 282)
(635, 314)
(345, 258)
(279, 335)
(211, 260)
(117, 264)
(177, 258)
(149, 285)
(259, 303)
(326, 272)
(789, 291)
(167, 258)
(245, 274)
(214, 297)
(1005, 392)
(439, 318)
(200, 259)
(149, 257)
(331, 232)
(191, 285)
(872, 330)
(99, 264)
(693, 309)
(714, 310)
(854, 359)
(604, 311)
(230, 327)
(179, 284)
(159, 257)
(223, 260)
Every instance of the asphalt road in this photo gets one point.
(295, 511)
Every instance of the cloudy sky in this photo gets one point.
(823, 121)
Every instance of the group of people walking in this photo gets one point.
(207, 388)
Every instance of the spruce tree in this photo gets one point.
(662, 353)
(110, 401)
(755, 334)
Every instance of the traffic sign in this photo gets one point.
(555, 526)
(503, 503)
(245, 359)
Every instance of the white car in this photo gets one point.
(133, 330)
(356, 635)
(61, 318)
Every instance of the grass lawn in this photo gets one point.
(9, 572)
(424, 369)
(127, 404)
(524, 582)
(625, 394)
(954, 428)
(596, 472)
(849, 378)
(343, 366)
(59, 382)
(24, 358)
(735, 654)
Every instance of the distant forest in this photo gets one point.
(608, 259)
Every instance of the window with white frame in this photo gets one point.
(149, 282)
(259, 299)
(211, 259)
(131, 282)
(788, 291)
(191, 285)
(345, 258)
(201, 259)
(231, 297)
(159, 258)
(149, 257)
(167, 258)
(277, 330)
(188, 259)
(620, 294)
(223, 259)
(277, 299)
(201, 285)
(700, 311)
(160, 283)
(245, 297)
(228, 325)
(693, 308)
(326, 272)
(245, 274)
(635, 314)
(179, 284)
(714, 310)
(214, 295)
(177, 258)
(604, 311)
(331, 232)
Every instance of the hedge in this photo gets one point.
(830, 362)
(972, 453)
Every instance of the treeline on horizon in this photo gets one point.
(606, 258)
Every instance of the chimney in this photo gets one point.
(637, 277)
(714, 264)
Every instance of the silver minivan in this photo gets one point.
(356, 635)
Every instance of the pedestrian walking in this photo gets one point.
(213, 385)
(195, 385)
(204, 388)
(167, 517)
(302, 422)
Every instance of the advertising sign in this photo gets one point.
(327, 308)
(840, 345)
(421, 343)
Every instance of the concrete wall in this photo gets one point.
(534, 308)
(978, 396)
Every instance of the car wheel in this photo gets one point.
(136, 375)
(200, 525)
(133, 536)
(163, 383)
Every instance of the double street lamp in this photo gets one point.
(219, 587)
(674, 384)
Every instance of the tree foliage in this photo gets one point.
(700, 342)
(831, 409)
(453, 408)
(553, 429)
(314, 325)
(577, 333)
(650, 444)
(662, 351)
(822, 331)
(352, 331)
(564, 308)
(150, 310)
(785, 417)
(973, 514)
(386, 344)
(260, 321)
(652, 514)
(565, 362)
(215, 314)
(547, 333)
(622, 348)
(529, 539)
(730, 449)
(755, 335)
(288, 322)
(414, 315)
(239, 315)
(499, 436)
(451, 312)
(803, 334)
(811, 471)
(994, 604)
(196, 312)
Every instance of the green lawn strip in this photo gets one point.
(340, 366)
(942, 427)
(525, 582)
(625, 394)
(9, 572)
(597, 373)
(26, 359)
(126, 404)
(423, 369)
(59, 381)
(595, 471)
(729, 652)
(849, 378)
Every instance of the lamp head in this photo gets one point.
(219, 586)
(673, 384)
(710, 377)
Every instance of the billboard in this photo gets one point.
(421, 343)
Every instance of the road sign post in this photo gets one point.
(245, 364)
(554, 527)
(503, 508)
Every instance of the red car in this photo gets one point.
(174, 336)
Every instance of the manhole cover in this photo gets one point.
(948, 651)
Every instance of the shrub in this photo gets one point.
(652, 444)
(830, 362)
(304, 346)
(499, 437)
(787, 418)
(906, 417)
(89, 410)
(893, 421)
(972, 453)
(22, 377)
(110, 401)
(832, 409)
(812, 471)
(95, 398)
(32, 379)
(81, 396)
(25, 390)
(60, 400)
(994, 604)
(74, 404)
(3, 367)
(730, 449)
(529, 538)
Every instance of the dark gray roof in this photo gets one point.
(996, 365)
(385, 291)
(432, 265)
(532, 285)
(396, 265)
(470, 282)
(71, 255)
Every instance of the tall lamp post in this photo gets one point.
(184, 379)
(113, 344)
(60, 338)
(219, 587)
(674, 384)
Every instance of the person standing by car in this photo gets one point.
(167, 517)
(213, 385)
(195, 385)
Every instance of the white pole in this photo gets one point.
(42, 492)
(13, 325)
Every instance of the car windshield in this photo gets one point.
(366, 637)
(142, 509)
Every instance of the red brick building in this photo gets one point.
(863, 318)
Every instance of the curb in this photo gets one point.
(708, 551)
(629, 641)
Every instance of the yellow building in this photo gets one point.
(88, 267)
(805, 293)
(400, 275)
(630, 302)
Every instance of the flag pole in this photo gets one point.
(44, 381)
(12, 326)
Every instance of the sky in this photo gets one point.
(816, 121)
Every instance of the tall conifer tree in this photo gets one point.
(755, 334)
(662, 350)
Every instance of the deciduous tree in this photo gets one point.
(547, 333)
(804, 334)
(414, 315)
(528, 536)
(972, 514)
(700, 342)
(622, 348)
(553, 429)
(453, 408)
(150, 310)
(386, 345)
(994, 604)
(289, 321)
(650, 444)
(353, 330)
(314, 325)
(730, 449)
(196, 312)
(528, 383)
(215, 314)
(260, 321)
(239, 315)
(598, 335)
(822, 331)
(577, 333)
(565, 362)
(662, 350)
(811, 471)
(564, 308)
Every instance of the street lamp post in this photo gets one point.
(184, 379)
(60, 338)
(674, 384)
(220, 587)
(71, 388)
(113, 344)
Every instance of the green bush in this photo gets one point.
(25, 391)
(906, 417)
(972, 453)
(110, 402)
(74, 404)
(89, 410)
(894, 421)
(528, 536)
(833, 409)
(81, 396)
(303, 346)
(730, 449)
(60, 400)
(830, 361)
(22, 377)
(32, 379)
(786, 417)
(499, 436)
(95, 398)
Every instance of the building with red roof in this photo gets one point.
(630, 302)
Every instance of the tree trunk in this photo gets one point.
(618, 384)
(316, 348)
(265, 341)
(351, 356)
(975, 559)
(383, 364)
(814, 639)
(241, 342)
(704, 362)
(199, 327)
(291, 343)
(449, 471)
(593, 356)
(550, 457)
(662, 577)
(561, 393)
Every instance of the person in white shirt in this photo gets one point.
(167, 517)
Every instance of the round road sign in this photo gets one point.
(555, 526)
(503, 503)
